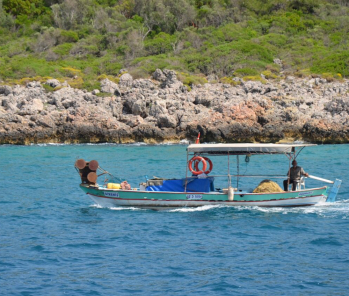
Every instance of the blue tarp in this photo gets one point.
(194, 185)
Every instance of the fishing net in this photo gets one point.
(267, 186)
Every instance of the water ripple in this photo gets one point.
(55, 241)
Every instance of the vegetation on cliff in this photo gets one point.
(84, 40)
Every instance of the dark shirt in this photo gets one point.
(296, 173)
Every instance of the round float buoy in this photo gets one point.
(92, 177)
(93, 165)
(80, 164)
(208, 161)
(196, 160)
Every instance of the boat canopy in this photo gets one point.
(245, 148)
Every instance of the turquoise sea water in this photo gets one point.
(55, 241)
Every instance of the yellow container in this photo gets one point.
(113, 186)
(117, 186)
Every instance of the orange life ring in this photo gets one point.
(196, 160)
(209, 162)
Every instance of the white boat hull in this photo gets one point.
(291, 202)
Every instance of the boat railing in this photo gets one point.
(250, 176)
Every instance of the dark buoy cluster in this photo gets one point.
(87, 171)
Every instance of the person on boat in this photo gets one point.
(202, 176)
(294, 175)
(125, 185)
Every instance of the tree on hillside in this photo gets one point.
(31, 8)
(305, 6)
(166, 15)
(72, 13)
(126, 7)
(183, 13)
(154, 14)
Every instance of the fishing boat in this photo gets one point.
(197, 188)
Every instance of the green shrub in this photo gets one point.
(138, 73)
(245, 72)
(151, 63)
(254, 78)
(63, 49)
(278, 40)
(122, 49)
(229, 80)
(302, 73)
(252, 50)
(103, 94)
(274, 68)
(304, 6)
(159, 44)
(91, 84)
(268, 74)
(76, 82)
(111, 78)
(25, 66)
(337, 62)
(25, 80)
(309, 36)
(232, 32)
(328, 76)
(190, 80)
(48, 88)
(70, 72)
(69, 36)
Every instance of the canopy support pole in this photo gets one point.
(229, 176)
(238, 171)
(186, 173)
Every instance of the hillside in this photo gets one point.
(85, 41)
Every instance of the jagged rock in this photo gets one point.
(89, 97)
(65, 84)
(9, 103)
(134, 120)
(159, 75)
(53, 83)
(269, 89)
(212, 78)
(278, 62)
(5, 90)
(162, 109)
(169, 81)
(33, 84)
(11, 107)
(157, 108)
(30, 109)
(253, 87)
(126, 80)
(139, 107)
(143, 83)
(45, 121)
(171, 78)
(108, 86)
(203, 99)
(37, 105)
(167, 121)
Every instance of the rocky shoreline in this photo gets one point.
(161, 109)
